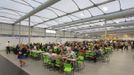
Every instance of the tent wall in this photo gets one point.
(14, 30)
(11, 33)
(15, 40)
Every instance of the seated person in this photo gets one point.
(97, 51)
(71, 53)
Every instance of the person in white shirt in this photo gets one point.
(8, 48)
(70, 53)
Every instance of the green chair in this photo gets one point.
(92, 56)
(86, 55)
(106, 53)
(58, 63)
(80, 63)
(46, 50)
(35, 55)
(80, 59)
(47, 61)
(68, 68)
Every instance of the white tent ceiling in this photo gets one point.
(63, 12)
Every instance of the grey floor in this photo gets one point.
(8, 68)
(121, 63)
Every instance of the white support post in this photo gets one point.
(29, 31)
(44, 32)
(19, 32)
(13, 30)
(64, 34)
(105, 31)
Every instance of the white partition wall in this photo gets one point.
(14, 30)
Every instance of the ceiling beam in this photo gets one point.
(109, 16)
(79, 24)
(39, 8)
(128, 23)
(108, 1)
(112, 30)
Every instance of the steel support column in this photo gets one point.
(19, 32)
(29, 30)
(45, 32)
(105, 30)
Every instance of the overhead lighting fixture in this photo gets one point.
(60, 20)
(101, 24)
(51, 31)
(82, 14)
(117, 21)
(122, 27)
(105, 8)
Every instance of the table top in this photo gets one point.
(45, 53)
(55, 55)
(37, 51)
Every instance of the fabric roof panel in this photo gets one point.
(5, 20)
(82, 14)
(110, 7)
(59, 12)
(13, 5)
(95, 11)
(63, 19)
(125, 4)
(83, 3)
(66, 5)
(47, 13)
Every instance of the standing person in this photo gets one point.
(132, 45)
(22, 55)
(8, 47)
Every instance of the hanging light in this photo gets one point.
(105, 8)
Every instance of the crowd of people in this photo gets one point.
(71, 49)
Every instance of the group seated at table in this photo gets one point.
(87, 48)
(70, 55)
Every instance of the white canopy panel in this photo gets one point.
(63, 12)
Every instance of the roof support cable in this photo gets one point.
(13, 10)
(9, 13)
(39, 8)
(19, 2)
(97, 6)
(76, 11)
(13, 19)
(120, 5)
(28, 4)
(53, 12)
(37, 1)
(76, 4)
(63, 12)
(57, 10)
(90, 13)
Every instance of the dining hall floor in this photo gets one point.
(121, 63)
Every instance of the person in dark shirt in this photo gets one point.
(22, 55)
(97, 51)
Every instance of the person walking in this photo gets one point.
(22, 55)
